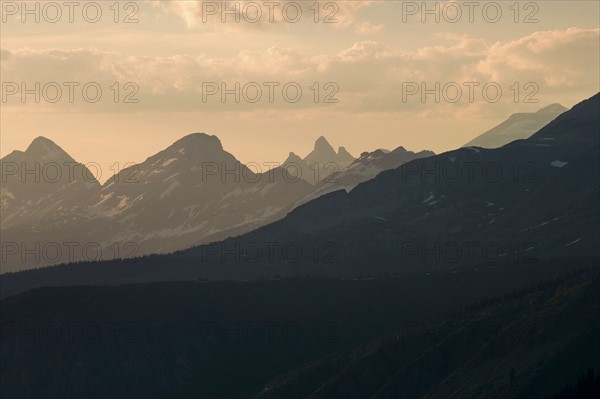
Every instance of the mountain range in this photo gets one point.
(472, 273)
(366, 167)
(530, 200)
(190, 193)
(324, 161)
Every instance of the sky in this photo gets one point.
(114, 82)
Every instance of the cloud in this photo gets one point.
(557, 58)
(364, 51)
(367, 28)
(371, 76)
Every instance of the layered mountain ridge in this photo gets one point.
(533, 199)
(191, 192)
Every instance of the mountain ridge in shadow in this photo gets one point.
(531, 199)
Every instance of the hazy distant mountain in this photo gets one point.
(532, 199)
(43, 182)
(323, 161)
(344, 157)
(191, 192)
(516, 127)
(366, 167)
(194, 191)
(537, 197)
(294, 167)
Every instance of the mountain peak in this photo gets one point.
(400, 149)
(344, 156)
(324, 153)
(293, 158)
(44, 149)
(42, 142)
(199, 141)
(199, 138)
(322, 145)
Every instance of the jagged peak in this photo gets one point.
(345, 155)
(293, 157)
(323, 145)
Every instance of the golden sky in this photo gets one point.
(171, 56)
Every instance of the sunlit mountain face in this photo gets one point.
(300, 199)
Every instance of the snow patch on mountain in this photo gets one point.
(168, 162)
(174, 184)
(558, 164)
